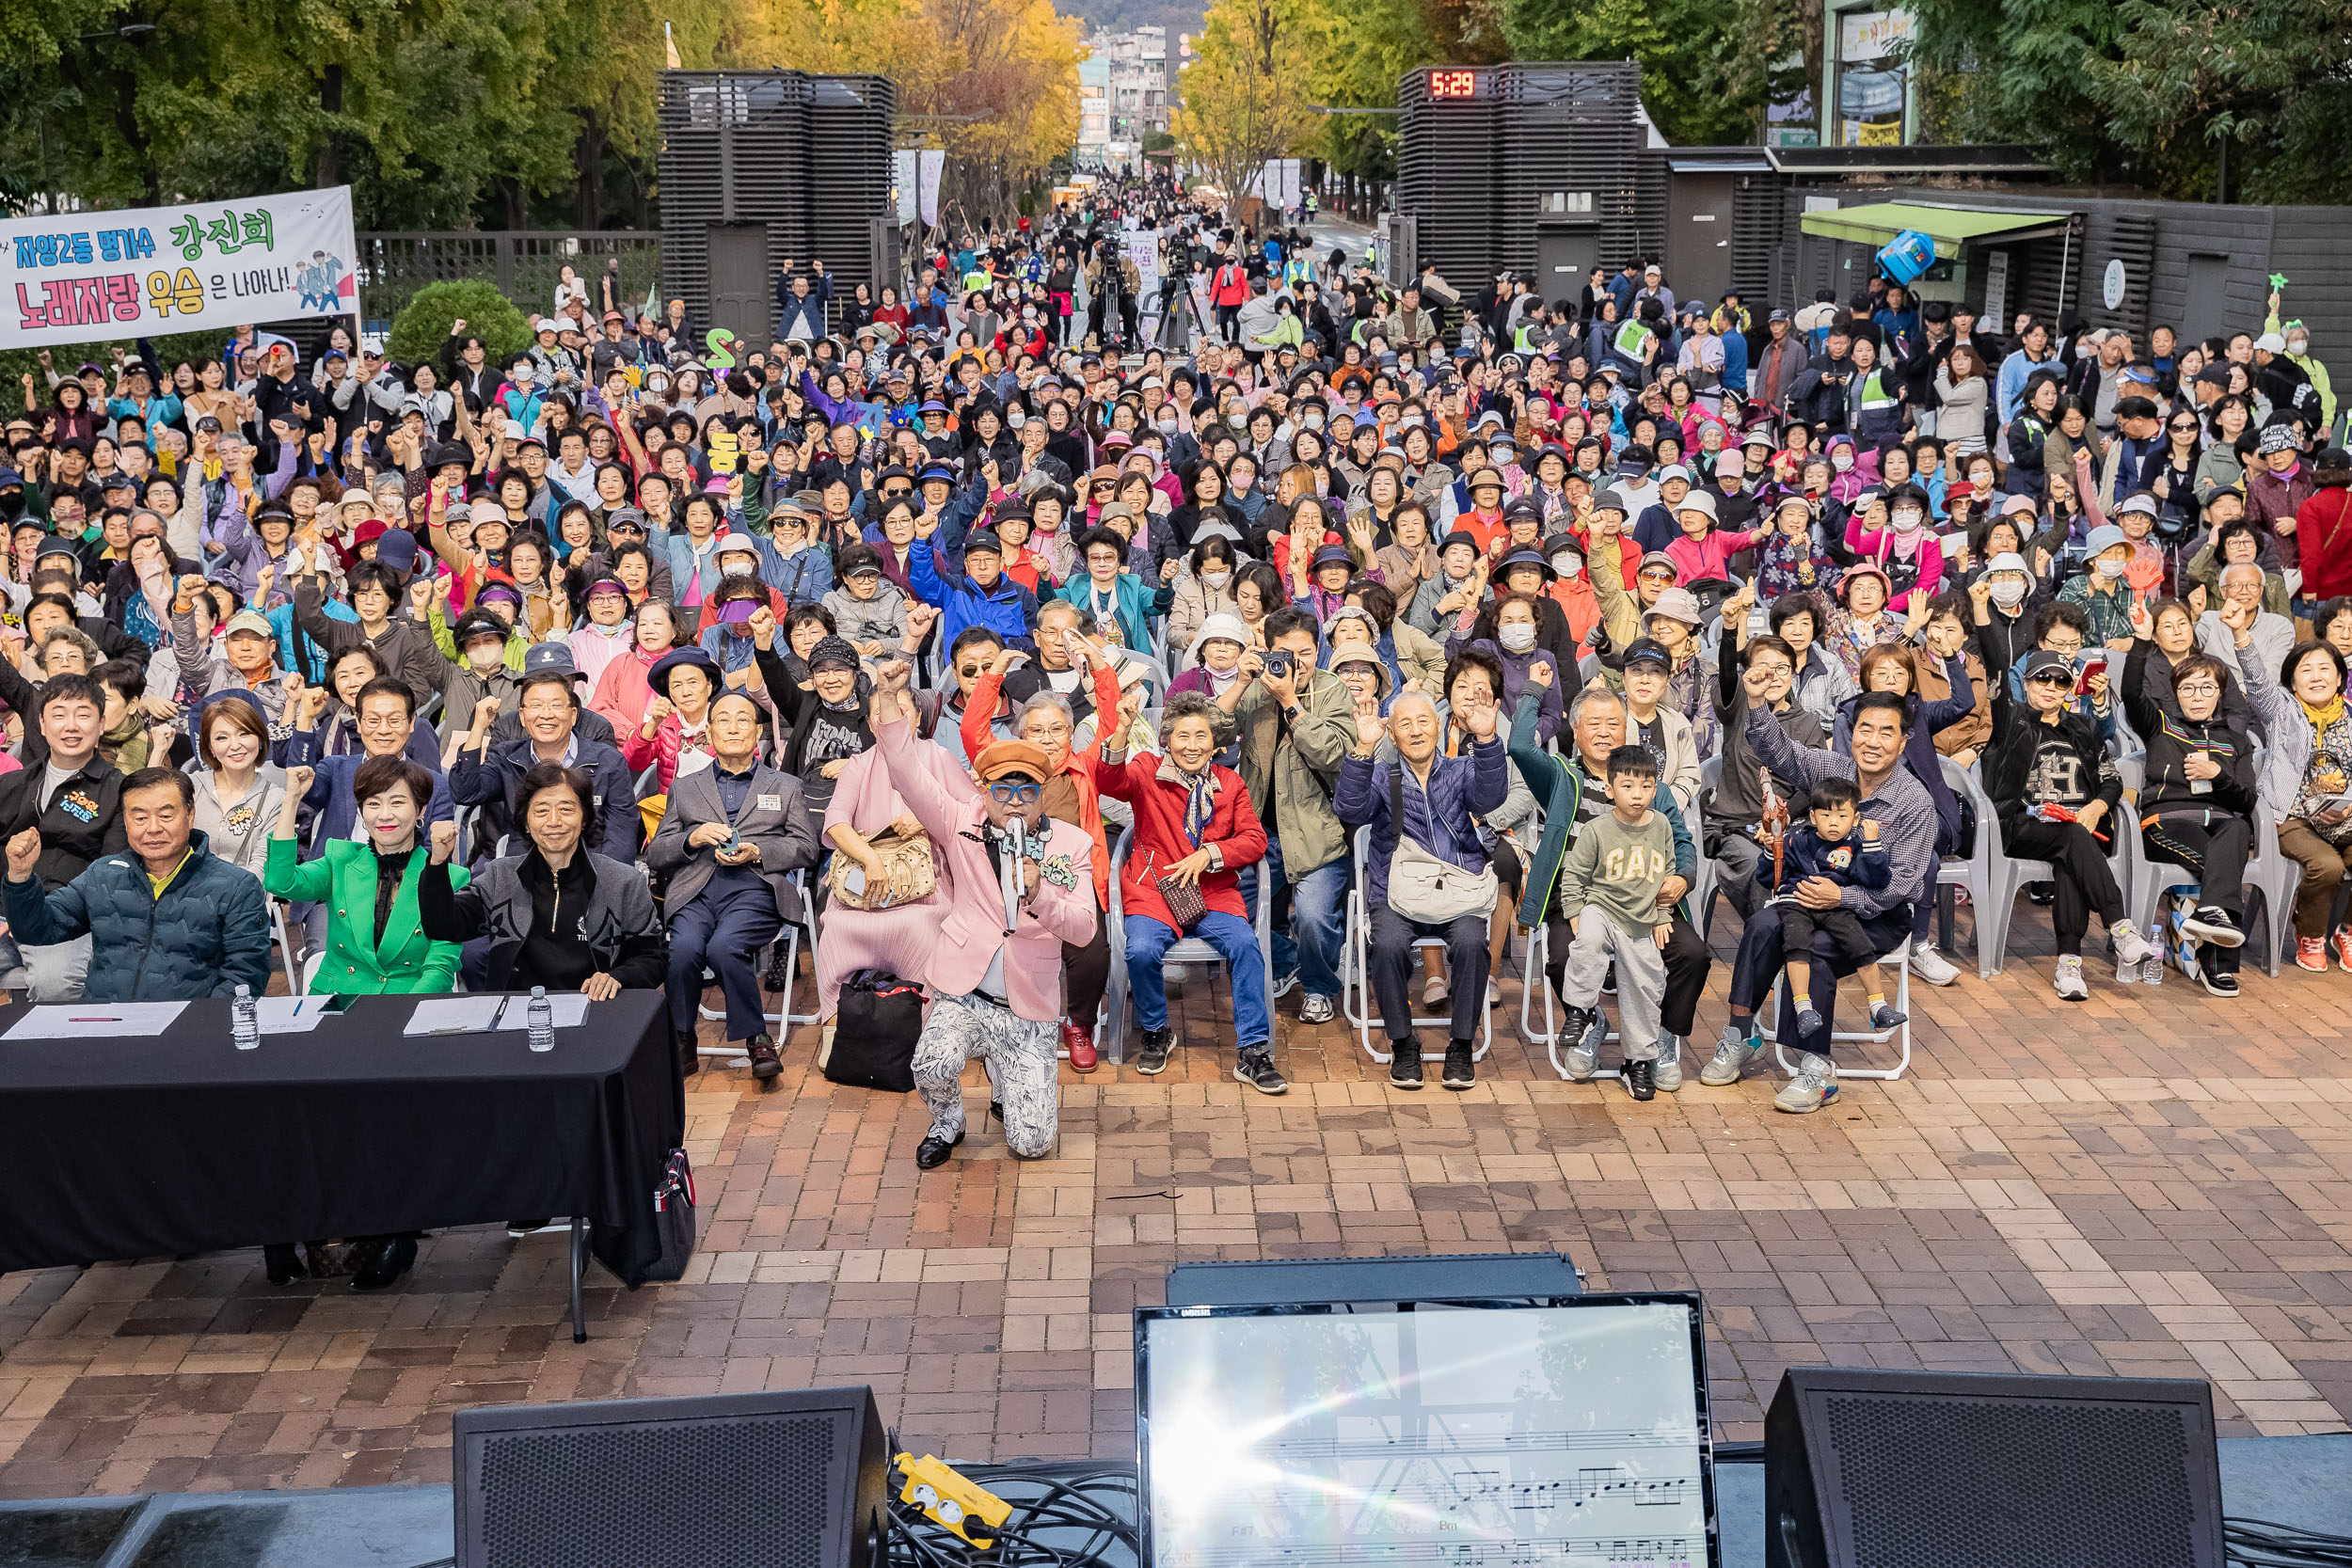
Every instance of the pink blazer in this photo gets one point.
(1062, 910)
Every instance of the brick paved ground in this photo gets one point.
(2147, 1183)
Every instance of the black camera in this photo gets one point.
(1278, 662)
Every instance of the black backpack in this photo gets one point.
(874, 1035)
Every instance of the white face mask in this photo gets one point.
(735, 566)
(2298, 346)
(1215, 581)
(1909, 519)
(1314, 421)
(1842, 462)
(1568, 566)
(2007, 591)
(1166, 423)
(520, 376)
(2110, 570)
(1518, 637)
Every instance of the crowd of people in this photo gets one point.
(940, 630)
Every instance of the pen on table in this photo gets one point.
(298, 1008)
(112, 1020)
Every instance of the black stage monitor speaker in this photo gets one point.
(1871, 1469)
(791, 1480)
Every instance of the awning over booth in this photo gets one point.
(1951, 228)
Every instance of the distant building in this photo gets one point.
(1123, 93)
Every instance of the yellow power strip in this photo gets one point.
(950, 1501)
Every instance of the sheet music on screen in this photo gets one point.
(1503, 1436)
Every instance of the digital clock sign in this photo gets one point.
(1454, 84)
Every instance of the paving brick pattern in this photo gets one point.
(2148, 1183)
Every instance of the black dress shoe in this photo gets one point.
(284, 1264)
(932, 1152)
(763, 1054)
(690, 1056)
(393, 1258)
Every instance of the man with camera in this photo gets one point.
(1297, 725)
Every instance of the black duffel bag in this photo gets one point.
(874, 1035)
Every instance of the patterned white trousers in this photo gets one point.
(1019, 1054)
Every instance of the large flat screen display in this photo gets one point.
(1426, 1435)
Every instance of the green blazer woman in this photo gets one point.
(344, 878)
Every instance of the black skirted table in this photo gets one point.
(115, 1148)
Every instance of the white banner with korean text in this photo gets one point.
(78, 278)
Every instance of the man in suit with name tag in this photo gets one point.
(731, 837)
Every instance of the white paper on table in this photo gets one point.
(100, 1020)
(454, 1015)
(290, 1015)
(570, 1008)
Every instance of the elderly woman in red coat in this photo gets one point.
(1195, 829)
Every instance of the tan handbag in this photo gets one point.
(911, 876)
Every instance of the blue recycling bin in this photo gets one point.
(1907, 256)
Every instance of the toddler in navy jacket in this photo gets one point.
(1836, 845)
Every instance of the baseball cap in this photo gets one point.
(250, 621)
(548, 655)
(1648, 650)
(2042, 664)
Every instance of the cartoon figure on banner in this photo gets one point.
(321, 281)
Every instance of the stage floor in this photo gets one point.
(2149, 1183)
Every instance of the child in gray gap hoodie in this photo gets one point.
(868, 610)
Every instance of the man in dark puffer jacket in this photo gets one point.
(168, 920)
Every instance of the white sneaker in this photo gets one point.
(1315, 1009)
(1931, 966)
(1814, 1086)
(2130, 946)
(1669, 1071)
(2070, 979)
(1733, 1053)
(1581, 1061)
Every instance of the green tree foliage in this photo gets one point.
(2152, 92)
(440, 114)
(1688, 51)
(423, 323)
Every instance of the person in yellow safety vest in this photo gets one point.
(1874, 410)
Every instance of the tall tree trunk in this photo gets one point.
(589, 155)
(327, 169)
(127, 126)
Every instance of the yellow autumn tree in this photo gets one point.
(1246, 96)
(1013, 65)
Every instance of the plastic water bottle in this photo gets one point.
(244, 1023)
(542, 1018)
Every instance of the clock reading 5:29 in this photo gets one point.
(1454, 84)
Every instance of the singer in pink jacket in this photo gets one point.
(997, 996)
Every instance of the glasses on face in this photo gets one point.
(1010, 794)
(2197, 688)
(2050, 680)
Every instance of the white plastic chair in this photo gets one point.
(1356, 998)
(1110, 1030)
(1974, 872)
(2274, 876)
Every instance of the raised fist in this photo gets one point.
(444, 841)
(24, 851)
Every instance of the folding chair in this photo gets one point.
(1899, 959)
(1356, 998)
(287, 952)
(789, 939)
(1709, 874)
(1110, 1029)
